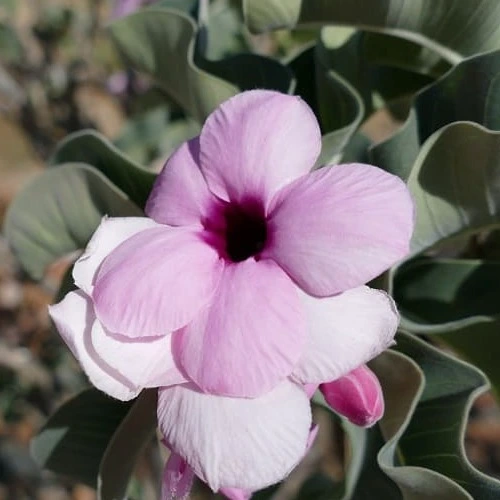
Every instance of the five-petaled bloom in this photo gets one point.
(242, 290)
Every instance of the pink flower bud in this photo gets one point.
(357, 396)
(178, 479)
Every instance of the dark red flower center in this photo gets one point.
(237, 230)
(246, 231)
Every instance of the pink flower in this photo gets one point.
(244, 283)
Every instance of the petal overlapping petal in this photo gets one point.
(180, 195)
(156, 282)
(111, 232)
(119, 369)
(257, 142)
(345, 331)
(146, 362)
(237, 442)
(249, 338)
(339, 227)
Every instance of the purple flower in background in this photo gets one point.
(124, 7)
(241, 289)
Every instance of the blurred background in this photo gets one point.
(59, 73)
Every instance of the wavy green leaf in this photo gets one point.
(57, 213)
(379, 66)
(458, 96)
(164, 43)
(457, 300)
(419, 443)
(434, 438)
(453, 28)
(341, 76)
(404, 383)
(74, 439)
(92, 148)
(455, 184)
(130, 438)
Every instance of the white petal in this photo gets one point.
(74, 318)
(237, 442)
(345, 331)
(111, 232)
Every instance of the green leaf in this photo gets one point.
(457, 300)
(57, 213)
(164, 43)
(434, 438)
(446, 293)
(455, 184)
(451, 27)
(92, 148)
(458, 96)
(416, 451)
(403, 383)
(134, 432)
(378, 65)
(347, 74)
(341, 107)
(363, 472)
(10, 46)
(224, 35)
(160, 42)
(74, 439)
(142, 134)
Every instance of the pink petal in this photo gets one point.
(237, 442)
(156, 282)
(310, 389)
(339, 227)
(180, 195)
(345, 332)
(357, 396)
(251, 336)
(313, 433)
(111, 232)
(256, 142)
(178, 479)
(74, 319)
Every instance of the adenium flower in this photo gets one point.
(241, 288)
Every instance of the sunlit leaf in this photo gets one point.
(453, 27)
(90, 147)
(163, 42)
(57, 213)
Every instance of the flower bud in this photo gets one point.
(178, 479)
(357, 396)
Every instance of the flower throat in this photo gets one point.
(246, 231)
